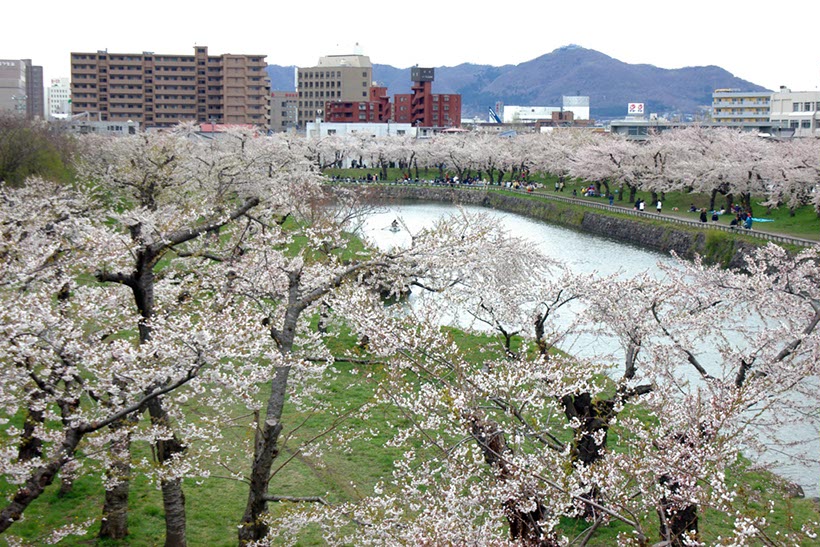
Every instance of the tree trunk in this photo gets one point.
(266, 449)
(712, 199)
(525, 526)
(114, 523)
(746, 200)
(730, 200)
(31, 446)
(594, 417)
(677, 523)
(173, 499)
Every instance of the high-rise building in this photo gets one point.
(21, 88)
(344, 78)
(423, 108)
(161, 90)
(35, 94)
(58, 99)
(13, 86)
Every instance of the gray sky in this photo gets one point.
(767, 43)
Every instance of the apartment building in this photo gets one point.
(339, 78)
(423, 108)
(162, 90)
(742, 109)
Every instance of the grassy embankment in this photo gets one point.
(805, 223)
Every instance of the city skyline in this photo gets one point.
(741, 40)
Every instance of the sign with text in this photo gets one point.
(422, 74)
(635, 108)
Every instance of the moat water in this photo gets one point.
(587, 254)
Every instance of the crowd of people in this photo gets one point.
(742, 218)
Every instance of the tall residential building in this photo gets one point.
(797, 111)
(161, 90)
(21, 88)
(283, 107)
(423, 108)
(58, 99)
(344, 78)
(742, 109)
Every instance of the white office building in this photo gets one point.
(578, 105)
(796, 110)
(58, 99)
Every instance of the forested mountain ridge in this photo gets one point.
(570, 70)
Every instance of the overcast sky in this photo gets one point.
(767, 43)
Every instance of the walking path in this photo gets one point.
(765, 233)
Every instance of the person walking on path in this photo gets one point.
(641, 206)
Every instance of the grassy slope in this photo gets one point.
(216, 504)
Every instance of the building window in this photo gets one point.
(796, 107)
(805, 124)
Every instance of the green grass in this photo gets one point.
(216, 504)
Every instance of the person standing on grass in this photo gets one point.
(658, 206)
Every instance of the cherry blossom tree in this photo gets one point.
(73, 369)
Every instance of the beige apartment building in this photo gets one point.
(733, 107)
(336, 78)
(161, 90)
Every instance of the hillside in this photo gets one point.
(570, 70)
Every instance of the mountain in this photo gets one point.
(571, 70)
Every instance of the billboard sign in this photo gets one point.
(635, 108)
(421, 74)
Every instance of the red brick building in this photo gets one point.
(375, 110)
(422, 107)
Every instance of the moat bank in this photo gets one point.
(714, 246)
